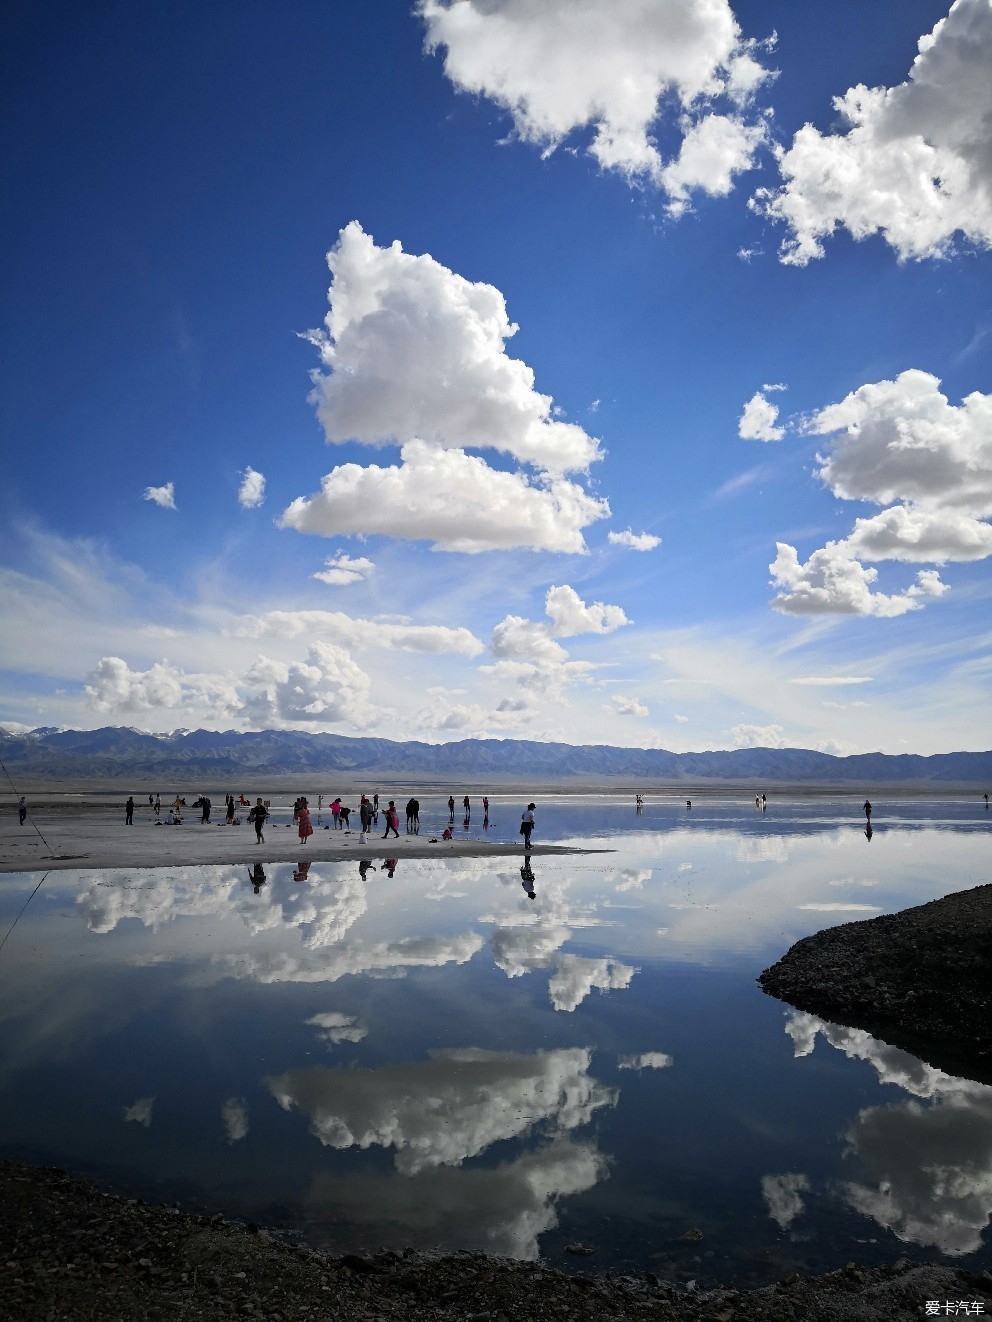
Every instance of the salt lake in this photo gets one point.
(526, 1059)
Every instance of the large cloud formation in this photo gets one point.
(925, 1166)
(558, 66)
(915, 161)
(444, 1110)
(415, 357)
(362, 634)
(528, 651)
(502, 1209)
(896, 441)
(326, 686)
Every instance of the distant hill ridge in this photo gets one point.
(122, 753)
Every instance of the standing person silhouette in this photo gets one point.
(22, 810)
(129, 811)
(867, 807)
(527, 823)
(303, 822)
(257, 816)
(451, 807)
(392, 821)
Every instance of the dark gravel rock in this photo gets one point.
(71, 1253)
(920, 980)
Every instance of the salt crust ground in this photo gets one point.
(61, 835)
(72, 1252)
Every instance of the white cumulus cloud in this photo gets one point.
(569, 614)
(628, 706)
(527, 650)
(414, 350)
(759, 736)
(114, 686)
(758, 421)
(329, 685)
(896, 441)
(636, 541)
(415, 356)
(913, 162)
(902, 440)
(342, 570)
(712, 152)
(558, 66)
(832, 582)
(453, 500)
(251, 493)
(164, 496)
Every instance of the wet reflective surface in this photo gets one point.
(468, 1053)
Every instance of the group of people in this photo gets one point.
(258, 813)
(467, 806)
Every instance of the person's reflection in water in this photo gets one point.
(301, 870)
(390, 865)
(256, 875)
(868, 832)
(485, 820)
(363, 867)
(467, 823)
(527, 880)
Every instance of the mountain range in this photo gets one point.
(116, 753)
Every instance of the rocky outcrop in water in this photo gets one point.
(920, 980)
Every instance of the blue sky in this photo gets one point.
(647, 400)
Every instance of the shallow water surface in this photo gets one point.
(462, 1052)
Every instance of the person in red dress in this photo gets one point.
(303, 822)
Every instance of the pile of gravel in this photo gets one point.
(73, 1252)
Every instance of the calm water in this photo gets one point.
(434, 1057)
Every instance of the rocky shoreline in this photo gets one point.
(920, 980)
(72, 1251)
